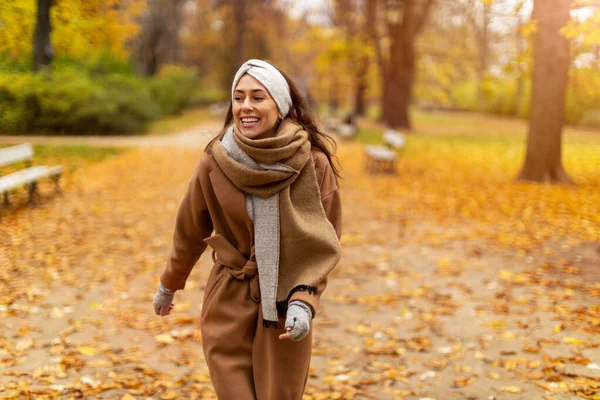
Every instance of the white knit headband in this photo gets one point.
(271, 79)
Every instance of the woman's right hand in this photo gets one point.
(163, 300)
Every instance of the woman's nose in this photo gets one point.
(247, 105)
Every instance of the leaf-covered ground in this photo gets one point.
(455, 281)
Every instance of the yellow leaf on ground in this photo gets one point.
(512, 389)
(492, 375)
(164, 338)
(57, 313)
(24, 344)
(88, 350)
(465, 382)
(101, 363)
(497, 324)
(572, 340)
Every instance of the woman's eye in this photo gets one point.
(238, 99)
(258, 98)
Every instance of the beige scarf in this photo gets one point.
(296, 245)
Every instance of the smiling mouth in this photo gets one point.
(249, 122)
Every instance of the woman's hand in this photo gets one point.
(297, 322)
(163, 300)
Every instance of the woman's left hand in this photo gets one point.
(286, 335)
(297, 322)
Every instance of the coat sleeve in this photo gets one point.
(192, 226)
(332, 203)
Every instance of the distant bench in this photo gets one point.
(28, 176)
(345, 128)
(383, 158)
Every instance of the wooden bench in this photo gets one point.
(383, 158)
(347, 131)
(24, 177)
(331, 125)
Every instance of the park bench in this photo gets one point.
(331, 125)
(347, 131)
(345, 128)
(383, 158)
(28, 176)
(348, 128)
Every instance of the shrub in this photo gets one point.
(172, 88)
(71, 99)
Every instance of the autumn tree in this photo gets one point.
(347, 16)
(448, 55)
(398, 22)
(550, 75)
(43, 53)
(225, 33)
(158, 43)
(79, 29)
(479, 16)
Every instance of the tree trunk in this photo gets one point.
(158, 43)
(43, 53)
(361, 86)
(398, 71)
(400, 83)
(550, 75)
(239, 15)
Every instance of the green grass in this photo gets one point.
(469, 129)
(70, 157)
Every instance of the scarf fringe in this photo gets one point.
(282, 306)
(271, 324)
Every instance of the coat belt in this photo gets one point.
(239, 267)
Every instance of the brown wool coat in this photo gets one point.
(212, 202)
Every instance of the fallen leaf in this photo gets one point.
(164, 338)
(24, 344)
(465, 381)
(88, 350)
(57, 313)
(574, 341)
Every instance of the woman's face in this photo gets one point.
(255, 113)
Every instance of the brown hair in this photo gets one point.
(301, 114)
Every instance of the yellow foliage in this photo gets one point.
(470, 180)
(79, 29)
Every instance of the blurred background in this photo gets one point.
(366, 57)
(468, 132)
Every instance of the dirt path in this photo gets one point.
(194, 138)
(401, 319)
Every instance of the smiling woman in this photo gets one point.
(255, 113)
(268, 189)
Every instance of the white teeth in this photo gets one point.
(249, 120)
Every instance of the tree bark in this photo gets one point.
(158, 43)
(398, 69)
(361, 86)
(550, 76)
(400, 79)
(240, 17)
(43, 53)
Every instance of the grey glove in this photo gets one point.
(163, 300)
(298, 317)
